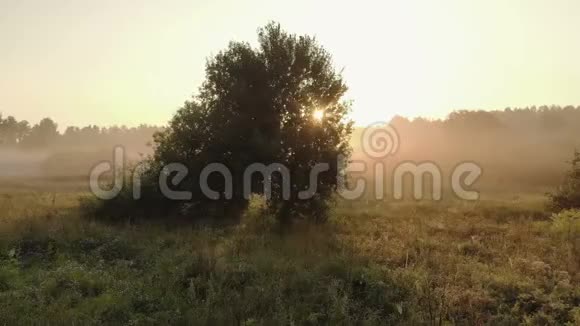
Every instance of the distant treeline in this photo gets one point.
(40, 150)
(16, 134)
(521, 149)
(543, 118)
(530, 120)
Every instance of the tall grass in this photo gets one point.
(492, 262)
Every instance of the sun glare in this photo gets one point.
(318, 115)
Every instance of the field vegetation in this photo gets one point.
(500, 262)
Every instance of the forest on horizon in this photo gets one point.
(521, 148)
(21, 135)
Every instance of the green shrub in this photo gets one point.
(568, 195)
(566, 224)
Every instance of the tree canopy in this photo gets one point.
(280, 102)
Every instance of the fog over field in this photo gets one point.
(523, 150)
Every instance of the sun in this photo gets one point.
(318, 115)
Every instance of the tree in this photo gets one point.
(12, 132)
(473, 120)
(42, 134)
(278, 103)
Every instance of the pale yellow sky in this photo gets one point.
(130, 62)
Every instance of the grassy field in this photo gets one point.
(501, 262)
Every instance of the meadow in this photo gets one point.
(228, 209)
(500, 261)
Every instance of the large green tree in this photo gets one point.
(280, 102)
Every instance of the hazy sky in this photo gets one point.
(130, 62)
